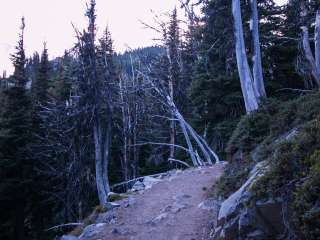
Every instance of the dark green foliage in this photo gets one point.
(16, 167)
(293, 163)
(306, 204)
(40, 85)
(250, 132)
(61, 86)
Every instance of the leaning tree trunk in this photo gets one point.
(188, 141)
(256, 59)
(250, 98)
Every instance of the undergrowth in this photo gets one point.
(294, 163)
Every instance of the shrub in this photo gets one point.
(294, 164)
(307, 201)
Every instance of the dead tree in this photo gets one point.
(256, 59)
(313, 60)
(189, 133)
(252, 85)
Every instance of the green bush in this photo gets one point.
(294, 164)
(307, 201)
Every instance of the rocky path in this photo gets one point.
(176, 208)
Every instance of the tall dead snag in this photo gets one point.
(252, 85)
(317, 41)
(313, 60)
(172, 43)
(250, 98)
(256, 59)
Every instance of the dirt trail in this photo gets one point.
(168, 211)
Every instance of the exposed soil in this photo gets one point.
(168, 211)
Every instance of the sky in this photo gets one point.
(50, 21)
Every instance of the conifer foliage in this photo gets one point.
(15, 164)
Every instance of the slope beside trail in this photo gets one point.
(168, 211)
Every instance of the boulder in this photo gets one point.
(232, 204)
(150, 181)
(237, 219)
(92, 230)
(138, 186)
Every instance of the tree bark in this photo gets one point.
(195, 137)
(309, 55)
(187, 138)
(317, 42)
(124, 128)
(250, 98)
(256, 59)
(102, 143)
(172, 123)
(106, 154)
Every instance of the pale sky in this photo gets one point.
(50, 21)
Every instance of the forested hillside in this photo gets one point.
(237, 82)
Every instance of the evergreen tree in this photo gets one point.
(40, 208)
(94, 99)
(62, 83)
(15, 163)
(41, 84)
(32, 67)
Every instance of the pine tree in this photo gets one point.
(15, 163)
(62, 84)
(41, 84)
(94, 100)
(39, 92)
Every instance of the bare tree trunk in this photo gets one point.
(205, 144)
(124, 129)
(172, 124)
(206, 150)
(135, 148)
(250, 99)
(102, 159)
(171, 94)
(309, 55)
(106, 154)
(187, 138)
(195, 137)
(103, 197)
(256, 59)
(317, 42)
